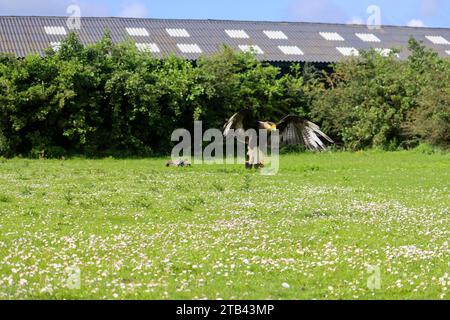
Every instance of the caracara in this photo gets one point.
(293, 130)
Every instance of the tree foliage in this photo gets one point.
(110, 99)
(376, 101)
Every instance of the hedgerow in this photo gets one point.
(110, 99)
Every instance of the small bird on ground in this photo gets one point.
(293, 130)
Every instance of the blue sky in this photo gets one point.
(430, 13)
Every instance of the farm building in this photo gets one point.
(275, 42)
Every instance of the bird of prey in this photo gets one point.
(293, 130)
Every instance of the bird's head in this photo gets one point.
(269, 126)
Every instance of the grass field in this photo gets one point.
(134, 229)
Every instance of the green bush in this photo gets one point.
(362, 101)
(109, 99)
(383, 102)
(429, 121)
(425, 148)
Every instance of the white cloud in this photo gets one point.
(356, 20)
(415, 23)
(134, 10)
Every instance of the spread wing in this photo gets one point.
(239, 120)
(296, 130)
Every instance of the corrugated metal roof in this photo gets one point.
(23, 35)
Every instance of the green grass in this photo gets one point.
(138, 230)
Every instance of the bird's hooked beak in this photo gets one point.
(273, 127)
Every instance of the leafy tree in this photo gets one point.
(429, 80)
(111, 99)
(377, 101)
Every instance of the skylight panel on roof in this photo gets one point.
(55, 45)
(291, 50)
(178, 33)
(331, 36)
(368, 37)
(147, 47)
(237, 34)
(55, 30)
(348, 51)
(142, 32)
(275, 34)
(189, 48)
(437, 39)
(254, 48)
